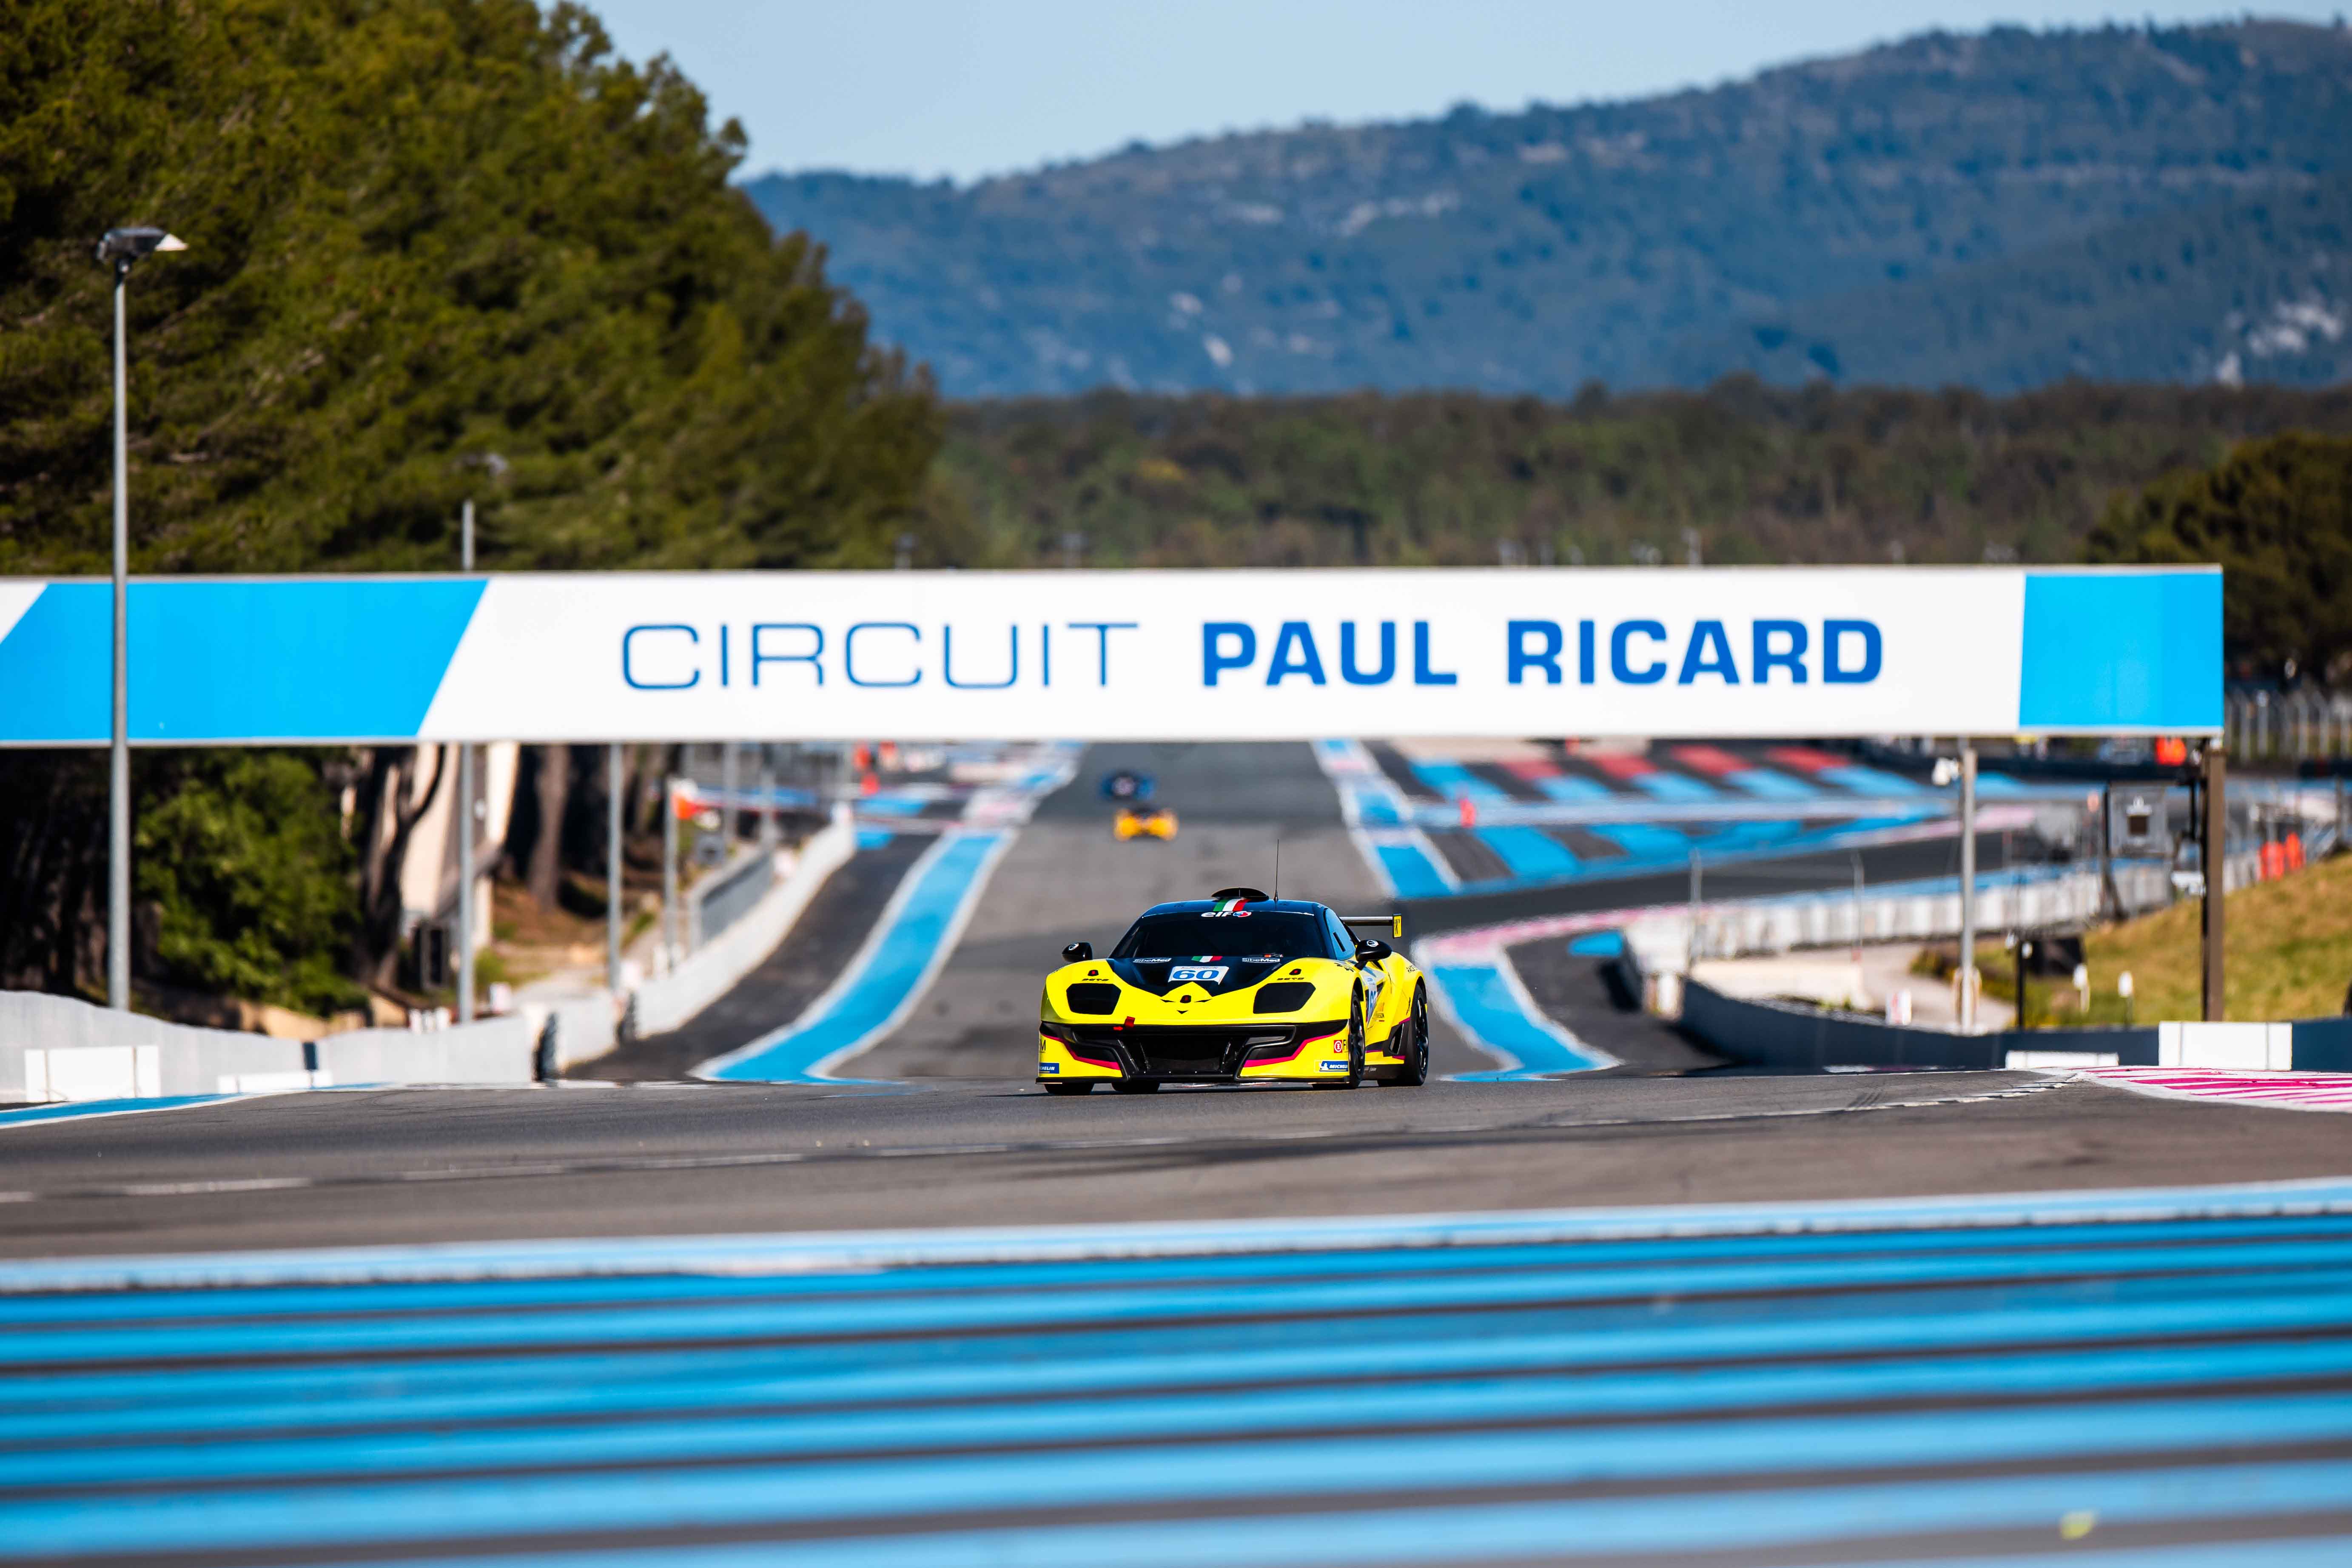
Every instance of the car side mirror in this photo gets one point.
(1078, 953)
(1371, 950)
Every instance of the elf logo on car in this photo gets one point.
(1209, 974)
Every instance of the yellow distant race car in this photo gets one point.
(1235, 988)
(1143, 822)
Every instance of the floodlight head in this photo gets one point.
(121, 247)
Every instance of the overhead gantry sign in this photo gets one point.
(1763, 652)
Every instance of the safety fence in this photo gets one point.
(2040, 899)
(2285, 726)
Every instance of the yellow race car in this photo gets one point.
(1143, 822)
(1235, 988)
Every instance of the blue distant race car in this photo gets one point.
(1126, 786)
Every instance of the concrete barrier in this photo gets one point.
(707, 973)
(488, 1050)
(1797, 1038)
(1792, 1038)
(60, 1048)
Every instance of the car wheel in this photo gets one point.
(1135, 1085)
(1416, 1071)
(1355, 1047)
(1066, 1087)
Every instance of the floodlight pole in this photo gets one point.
(613, 867)
(118, 804)
(727, 783)
(121, 250)
(465, 822)
(1968, 883)
(2214, 853)
(669, 872)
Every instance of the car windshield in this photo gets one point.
(1254, 933)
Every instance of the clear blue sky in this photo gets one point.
(930, 87)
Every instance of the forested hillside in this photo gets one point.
(1996, 210)
(436, 249)
(1745, 472)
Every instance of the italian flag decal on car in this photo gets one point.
(1228, 906)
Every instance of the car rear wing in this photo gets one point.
(1395, 923)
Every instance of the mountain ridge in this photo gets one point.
(1540, 248)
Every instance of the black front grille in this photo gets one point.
(1176, 1051)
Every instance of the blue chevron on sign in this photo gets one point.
(288, 658)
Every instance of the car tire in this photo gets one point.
(1416, 1071)
(1355, 1047)
(1135, 1085)
(1066, 1087)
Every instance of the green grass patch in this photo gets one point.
(2287, 952)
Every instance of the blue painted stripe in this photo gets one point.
(1563, 1283)
(892, 970)
(1483, 1003)
(1574, 789)
(1532, 1532)
(2283, 1264)
(91, 1405)
(1766, 784)
(2121, 650)
(1410, 871)
(288, 658)
(1529, 852)
(81, 1110)
(1375, 806)
(1675, 787)
(1193, 1412)
(246, 1519)
(1647, 842)
(1872, 781)
(1455, 781)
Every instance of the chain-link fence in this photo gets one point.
(2288, 726)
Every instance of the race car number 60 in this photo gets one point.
(1207, 973)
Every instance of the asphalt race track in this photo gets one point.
(425, 1165)
(949, 1130)
(1659, 1314)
